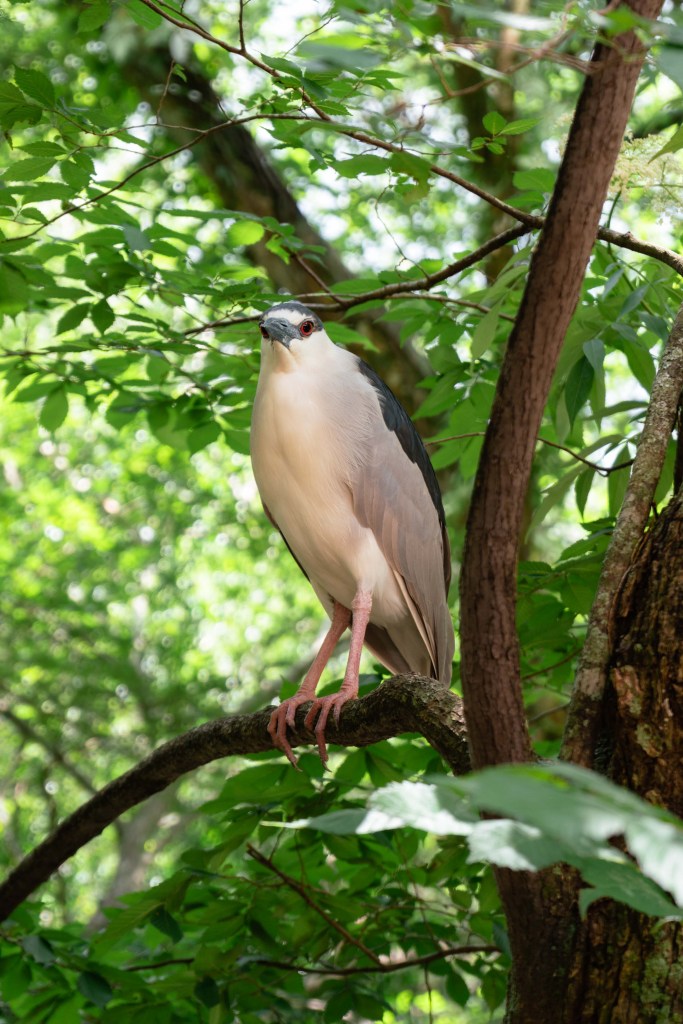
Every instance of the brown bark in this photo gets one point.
(404, 704)
(585, 714)
(628, 968)
(540, 909)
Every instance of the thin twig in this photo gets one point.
(302, 891)
(603, 470)
(382, 967)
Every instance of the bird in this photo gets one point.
(345, 478)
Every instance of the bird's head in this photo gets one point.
(290, 331)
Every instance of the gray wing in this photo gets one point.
(396, 494)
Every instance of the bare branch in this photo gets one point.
(584, 713)
(408, 703)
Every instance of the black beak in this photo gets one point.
(278, 330)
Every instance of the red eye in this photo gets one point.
(264, 332)
(307, 328)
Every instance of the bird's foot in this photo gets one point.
(283, 716)
(321, 708)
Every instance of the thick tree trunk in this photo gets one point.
(541, 909)
(628, 968)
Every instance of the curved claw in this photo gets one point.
(284, 715)
(321, 708)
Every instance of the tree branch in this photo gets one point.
(301, 891)
(585, 708)
(382, 967)
(408, 703)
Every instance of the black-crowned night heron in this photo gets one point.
(345, 478)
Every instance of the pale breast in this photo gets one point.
(304, 448)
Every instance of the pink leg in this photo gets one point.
(284, 714)
(361, 606)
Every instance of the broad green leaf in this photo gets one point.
(493, 122)
(594, 351)
(206, 991)
(14, 290)
(36, 85)
(73, 317)
(95, 988)
(55, 409)
(368, 163)
(540, 178)
(10, 96)
(38, 948)
(485, 331)
(519, 127)
(102, 315)
(29, 169)
(166, 924)
(670, 61)
(582, 488)
(68, 1011)
(94, 16)
(136, 240)
(144, 16)
(641, 363)
(578, 387)
(244, 232)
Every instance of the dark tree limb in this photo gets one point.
(403, 704)
(583, 722)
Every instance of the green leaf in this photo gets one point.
(74, 175)
(641, 364)
(55, 409)
(36, 85)
(673, 145)
(594, 351)
(29, 169)
(166, 924)
(368, 163)
(520, 126)
(14, 290)
(38, 948)
(94, 16)
(616, 489)
(407, 163)
(582, 488)
(485, 331)
(202, 436)
(136, 240)
(95, 988)
(244, 232)
(72, 318)
(578, 387)
(10, 96)
(493, 122)
(670, 61)
(102, 315)
(144, 16)
(67, 1011)
(206, 991)
(539, 179)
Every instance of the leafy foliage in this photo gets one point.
(138, 247)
